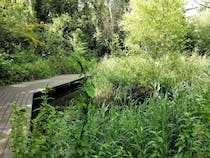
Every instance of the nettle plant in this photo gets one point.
(157, 128)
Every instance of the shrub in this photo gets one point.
(202, 30)
(56, 37)
(158, 128)
(24, 67)
(40, 69)
(172, 122)
(19, 135)
(138, 77)
(17, 26)
(64, 65)
(5, 69)
(24, 56)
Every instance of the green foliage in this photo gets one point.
(99, 20)
(20, 133)
(5, 64)
(158, 128)
(89, 89)
(50, 141)
(56, 37)
(155, 26)
(202, 30)
(55, 56)
(47, 9)
(39, 69)
(17, 26)
(79, 47)
(138, 77)
(22, 66)
(64, 65)
(18, 40)
(65, 31)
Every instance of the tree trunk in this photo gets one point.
(110, 14)
(30, 3)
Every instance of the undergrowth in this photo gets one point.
(172, 120)
(120, 79)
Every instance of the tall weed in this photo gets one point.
(139, 76)
(159, 127)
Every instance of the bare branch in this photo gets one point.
(203, 5)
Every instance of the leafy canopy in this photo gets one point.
(155, 25)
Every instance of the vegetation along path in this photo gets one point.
(22, 94)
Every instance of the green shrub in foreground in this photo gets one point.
(157, 128)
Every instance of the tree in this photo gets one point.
(47, 9)
(17, 26)
(155, 26)
(106, 16)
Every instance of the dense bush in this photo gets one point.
(56, 37)
(64, 65)
(138, 77)
(18, 26)
(5, 64)
(18, 41)
(32, 51)
(202, 30)
(157, 128)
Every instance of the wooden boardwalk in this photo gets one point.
(22, 94)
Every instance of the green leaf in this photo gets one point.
(90, 91)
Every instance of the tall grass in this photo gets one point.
(157, 128)
(138, 77)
